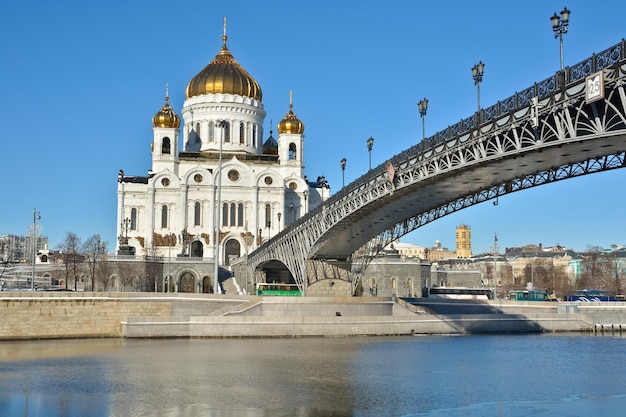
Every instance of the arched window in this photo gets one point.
(240, 214)
(268, 216)
(242, 133)
(211, 131)
(196, 214)
(198, 137)
(226, 132)
(163, 216)
(232, 249)
(165, 147)
(292, 151)
(133, 219)
(225, 214)
(254, 135)
(193, 136)
(233, 214)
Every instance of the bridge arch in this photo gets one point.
(548, 132)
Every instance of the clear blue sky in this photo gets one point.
(82, 80)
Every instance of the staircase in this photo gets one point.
(231, 287)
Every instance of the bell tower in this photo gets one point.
(463, 241)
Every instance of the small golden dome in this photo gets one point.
(290, 123)
(224, 75)
(166, 117)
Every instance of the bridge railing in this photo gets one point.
(543, 89)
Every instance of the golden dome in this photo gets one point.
(290, 123)
(224, 75)
(166, 117)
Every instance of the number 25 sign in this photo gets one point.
(594, 89)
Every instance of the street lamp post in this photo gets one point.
(423, 107)
(222, 125)
(125, 226)
(305, 193)
(36, 217)
(370, 145)
(495, 254)
(532, 272)
(169, 260)
(477, 73)
(343, 172)
(559, 26)
(245, 241)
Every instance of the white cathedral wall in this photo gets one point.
(181, 209)
(235, 109)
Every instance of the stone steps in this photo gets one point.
(231, 287)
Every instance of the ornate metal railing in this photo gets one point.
(543, 89)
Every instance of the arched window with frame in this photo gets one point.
(254, 135)
(242, 133)
(196, 214)
(163, 216)
(240, 214)
(225, 214)
(211, 131)
(133, 219)
(165, 146)
(226, 132)
(233, 214)
(198, 137)
(292, 151)
(268, 216)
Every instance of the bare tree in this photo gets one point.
(70, 247)
(128, 274)
(4, 251)
(104, 272)
(593, 268)
(94, 249)
(614, 269)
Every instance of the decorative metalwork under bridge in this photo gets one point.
(571, 124)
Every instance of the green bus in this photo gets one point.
(528, 295)
(277, 288)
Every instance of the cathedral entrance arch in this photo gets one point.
(197, 250)
(187, 282)
(232, 249)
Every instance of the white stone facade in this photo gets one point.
(259, 188)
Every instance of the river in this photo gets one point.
(483, 375)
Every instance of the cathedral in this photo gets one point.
(216, 187)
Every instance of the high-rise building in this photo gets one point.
(19, 248)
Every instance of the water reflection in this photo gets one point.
(307, 377)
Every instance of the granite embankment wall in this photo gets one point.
(40, 315)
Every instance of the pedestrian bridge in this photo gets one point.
(570, 124)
